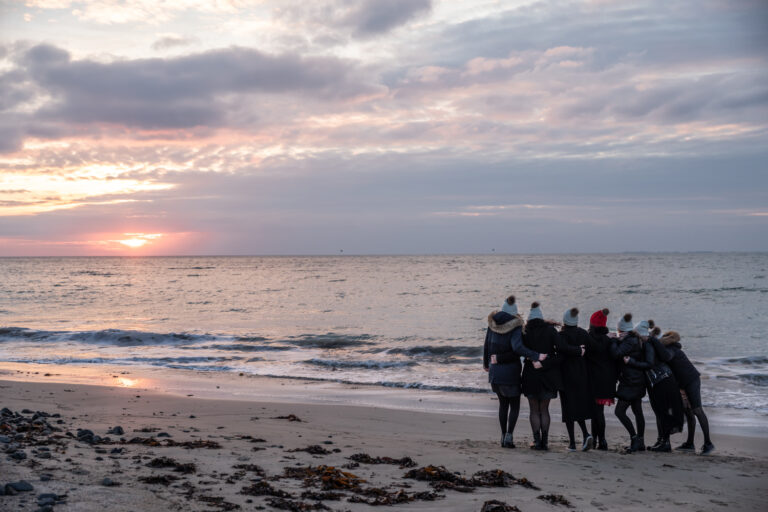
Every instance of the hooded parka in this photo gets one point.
(504, 339)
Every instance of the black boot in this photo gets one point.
(544, 445)
(632, 444)
(602, 444)
(536, 445)
(507, 441)
(659, 442)
(640, 444)
(663, 446)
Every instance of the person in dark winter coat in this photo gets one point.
(631, 388)
(689, 380)
(576, 395)
(501, 359)
(601, 368)
(663, 392)
(541, 379)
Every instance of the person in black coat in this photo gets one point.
(663, 392)
(541, 379)
(689, 380)
(501, 359)
(631, 388)
(576, 395)
(601, 368)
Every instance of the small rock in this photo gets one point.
(19, 455)
(46, 477)
(20, 486)
(5, 439)
(117, 431)
(108, 482)
(163, 434)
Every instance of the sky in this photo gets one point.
(233, 127)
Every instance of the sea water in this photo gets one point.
(400, 321)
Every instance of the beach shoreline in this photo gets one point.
(732, 478)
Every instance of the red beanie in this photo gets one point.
(599, 318)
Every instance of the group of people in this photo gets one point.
(591, 370)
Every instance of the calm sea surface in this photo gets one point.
(404, 321)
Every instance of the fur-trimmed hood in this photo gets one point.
(508, 326)
(670, 338)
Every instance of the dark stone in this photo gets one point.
(21, 486)
(19, 455)
(117, 431)
(5, 439)
(163, 434)
(108, 482)
(45, 477)
(27, 411)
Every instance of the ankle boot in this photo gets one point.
(602, 444)
(544, 445)
(507, 441)
(659, 442)
(640, 444)
(632, 444)
(536, 445)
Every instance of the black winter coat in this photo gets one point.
(631, 378)
(576, 396)
(541, 337)
(601, 366)
(664, 396)
(503, 338)
(682, 368)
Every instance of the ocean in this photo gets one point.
(398, 321)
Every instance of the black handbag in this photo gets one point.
(658, 374)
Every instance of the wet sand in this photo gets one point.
(190, 453)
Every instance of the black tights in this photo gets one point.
(509, 409)
(539, 415)
(571, 435)
(691, 415)
(637, 410)
(598, 422)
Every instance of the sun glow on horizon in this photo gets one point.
(138, 239)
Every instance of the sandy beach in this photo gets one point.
(175, 452)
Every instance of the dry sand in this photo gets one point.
(734, 478)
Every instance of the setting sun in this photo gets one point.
(138, 239)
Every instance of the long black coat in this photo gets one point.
(631, 378)
(576, 396)
(541, 337)
(504, 340)
(601, 366)
(666, 402)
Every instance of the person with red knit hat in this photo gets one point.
(601, 369)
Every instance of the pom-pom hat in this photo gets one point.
(599, 318)
(571, 317)
(625, 324)
(509, 306)
(535, 312)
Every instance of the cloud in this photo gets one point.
(202, 89)
(361, 19)
(374, 17)
(172, 41)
